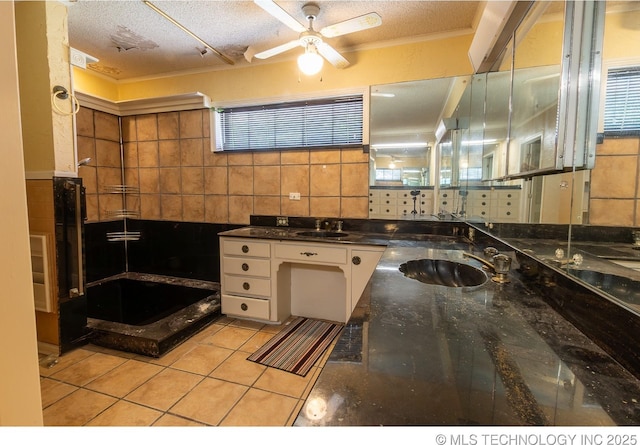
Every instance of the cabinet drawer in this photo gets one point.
(245, 247)
(315, 253)
(246, 266)
(240, 285)
(245, 307)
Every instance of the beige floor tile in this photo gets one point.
(230, 337)
(210, 401)
(206, 332)
(52, 391)
(65, 361)
(124, 413)
(257, 341)
(88, 369)
(202, 359)
(247, 324)
(261, 408)
(171, 420)
(294, 413)
(164, 389)
(125, 378)
(170, 356)
(282, 382)
(77, 408)
(238, 369)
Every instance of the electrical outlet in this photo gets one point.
(282, 221)
(294, 196)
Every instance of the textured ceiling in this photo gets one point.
(131, 40)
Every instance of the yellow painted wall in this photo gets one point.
(20, 403)
(429, 59)
(43, 61)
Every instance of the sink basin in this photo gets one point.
(322, 234)
(443, 273)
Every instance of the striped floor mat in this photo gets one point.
(298, 346)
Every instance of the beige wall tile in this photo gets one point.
(191, 152)
(84, 122)
(355, 179)
(215, 180)
(192, 180)
(266, 158)
(171, 206)
(191, 124)
(130, 154)
(295, 178)
(240, 158)
(150, 206)
(325, 180)
(612, 212)
(107, 153)
(149, 180)
(295, 157)
(266, 180)
(147, 127)
(108, 176)
(294, 208)
(132, 203)
(614, 177)
(132, 177)
(170, 180)
(148, 154)
(89, 178)
(87, 148)
(168, 125)
(241, 180)
(354, 207)
(193, 208)
(324, 156)
(354, 155)
(108, 204)
(618, 146)
(93, 214)
(216, 208)
(215, 159)
(324, 207)
(266, 205)
(106, 126)
(169, 153)
(129, 132)
(240, 208)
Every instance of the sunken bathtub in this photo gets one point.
(149, 314)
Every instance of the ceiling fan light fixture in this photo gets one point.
(310, 62)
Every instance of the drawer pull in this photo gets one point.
(308, 254)
(244, 306)
(245, 267)
(356, 260)
(245, 248)
(246, 285)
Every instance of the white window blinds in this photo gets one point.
(323, 123)
(622, 104)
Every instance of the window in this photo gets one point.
(318, 123)
(622, 103)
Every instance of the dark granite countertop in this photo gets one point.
(312, 235)
(494, 354)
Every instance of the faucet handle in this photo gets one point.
(339, 226)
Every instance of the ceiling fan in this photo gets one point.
(313, 41)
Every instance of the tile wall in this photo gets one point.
(168, 157)
(615, 187)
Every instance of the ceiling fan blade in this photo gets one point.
(333, 56)
(280, 14)
(277, 50)
(366, 21)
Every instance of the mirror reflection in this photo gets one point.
(505, 167)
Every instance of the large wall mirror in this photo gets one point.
(445, 147)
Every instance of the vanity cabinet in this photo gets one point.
(269, 280)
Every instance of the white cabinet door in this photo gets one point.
(363, 263)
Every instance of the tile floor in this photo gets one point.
(205, 381)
